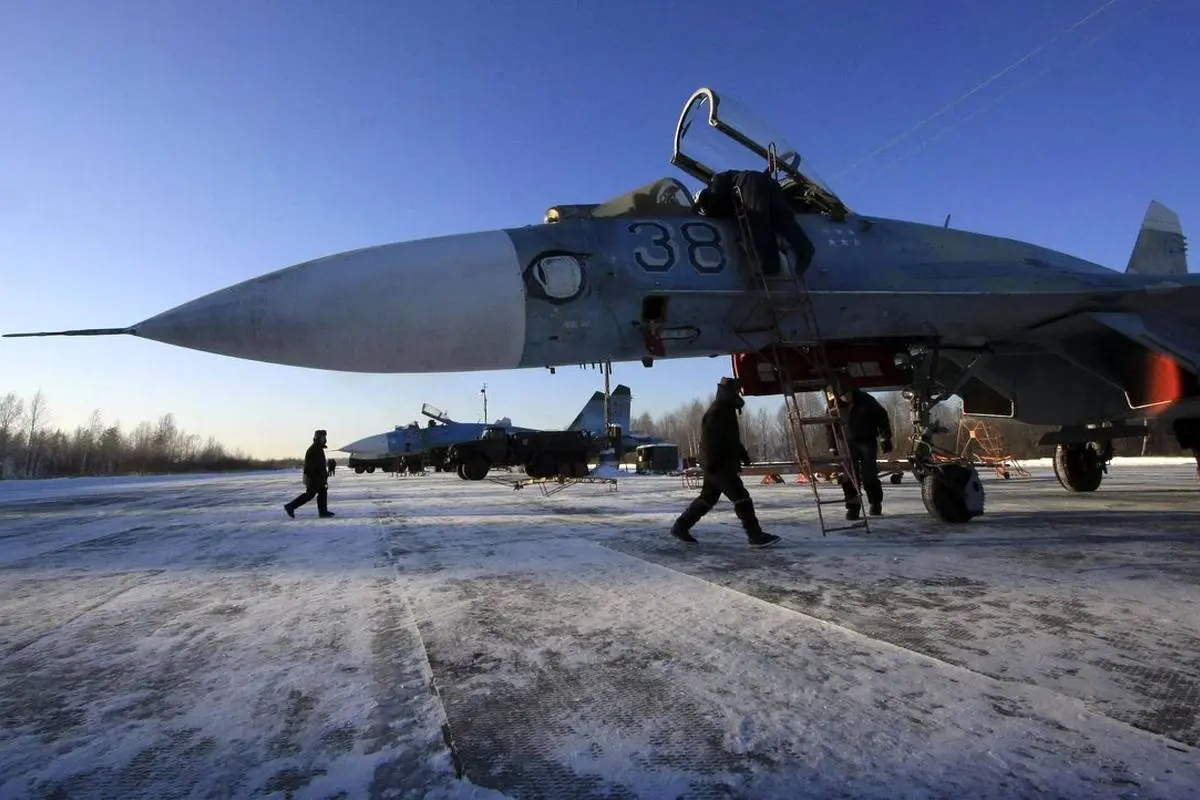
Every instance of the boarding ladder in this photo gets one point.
(781, 303)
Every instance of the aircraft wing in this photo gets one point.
(1098, 365)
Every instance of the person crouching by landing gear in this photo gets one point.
(722, 454)
(316, 479)
(866, 422)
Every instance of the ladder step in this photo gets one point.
(818, 420)
(860, 523)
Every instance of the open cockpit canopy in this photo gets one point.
(715, 134)
(433, 412)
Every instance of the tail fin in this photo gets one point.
(1161, 248)
(591, 416)
(622, 406)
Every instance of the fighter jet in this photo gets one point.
(1014, 329)
(430, 442)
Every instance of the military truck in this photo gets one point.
(399, 464)
(542, 454)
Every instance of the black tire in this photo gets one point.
(459, 470)
(359, 470)
(577, 465)
(370, 470)
(474, 467)
(942, 492)
(1079, 468)
(541, 464)
(896, 477)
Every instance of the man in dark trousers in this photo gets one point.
(866, 422)
(767, 210)
(721, 456)
(316, 479)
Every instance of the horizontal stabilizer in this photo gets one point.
(80, 332)
(1161, 248)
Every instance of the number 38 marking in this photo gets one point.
(660, 250)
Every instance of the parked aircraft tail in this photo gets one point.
(591, 416)
(1161, 248)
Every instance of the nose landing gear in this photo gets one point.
(950, 486)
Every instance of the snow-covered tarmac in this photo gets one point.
(181, 637)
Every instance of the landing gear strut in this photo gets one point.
(950, 486)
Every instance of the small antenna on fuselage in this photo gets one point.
(946, 224)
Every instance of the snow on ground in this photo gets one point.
(181, 637)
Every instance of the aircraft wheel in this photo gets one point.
(1078, 467)
(358, 470)
(953, 494)
(459, 470)
(370, 470)
(896, 477)
(474, 468)
(541, 465)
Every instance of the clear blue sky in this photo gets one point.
(152, 152)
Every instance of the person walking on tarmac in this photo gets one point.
(722, 454)
(316, 479)
(767, 210)
(866, 423)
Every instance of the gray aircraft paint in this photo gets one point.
(572, 291)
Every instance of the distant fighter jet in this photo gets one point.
(1014, 329)
(432, 441)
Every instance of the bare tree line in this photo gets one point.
(31, 448)
(765, 431)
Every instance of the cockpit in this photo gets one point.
(665, 197)
(715, 134)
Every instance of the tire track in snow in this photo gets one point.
(402, 623)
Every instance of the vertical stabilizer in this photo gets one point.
(622, 407)
(1161, 248)
(591, 416)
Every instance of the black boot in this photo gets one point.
(690, 516)
(876, 509)
(754, 532)
(853, 512)
(291, 512)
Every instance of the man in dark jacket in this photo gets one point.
(721, 456)
(316, 479)
(866, 423)
(767, 210)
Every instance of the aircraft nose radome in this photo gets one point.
(451, 303)
(371, 444)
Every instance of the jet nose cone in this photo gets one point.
(452, 303)
(370, 444)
